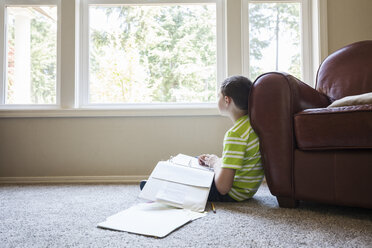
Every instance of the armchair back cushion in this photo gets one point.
(347, 71)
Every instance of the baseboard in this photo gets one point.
(78, 179)
(74, 179)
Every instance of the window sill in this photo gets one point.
(114, 111)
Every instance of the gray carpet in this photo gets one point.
(66, 216)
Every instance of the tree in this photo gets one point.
(268, 23)
(43, 60)
(175, 47)
(43, 55)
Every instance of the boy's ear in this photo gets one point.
(228, 99)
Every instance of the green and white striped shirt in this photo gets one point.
(241, 152)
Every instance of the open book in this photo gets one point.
(178, 189)
(180, 182)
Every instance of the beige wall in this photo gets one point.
(348, 21)
(120, 146)
(125, 146)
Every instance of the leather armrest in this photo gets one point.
(274, 99)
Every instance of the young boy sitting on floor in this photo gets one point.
(239, 173)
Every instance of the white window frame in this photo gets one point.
(3, 55)
(232, 51)
(313, 35)
(83, 100)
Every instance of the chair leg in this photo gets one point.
(286, 202)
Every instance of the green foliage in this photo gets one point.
(154, 53)
(43, 61)
(171, 52)
(10, 69)
(267, 23)
(43, 57)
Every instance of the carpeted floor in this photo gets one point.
(66, 216)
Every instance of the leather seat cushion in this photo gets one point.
(334, 128)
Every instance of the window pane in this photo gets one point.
(31, 55)
(148, 54)
(274, 38)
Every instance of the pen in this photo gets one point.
(213, 208)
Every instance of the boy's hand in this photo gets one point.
(201, 159)
(208, 160)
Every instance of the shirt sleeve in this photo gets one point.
(233, 151)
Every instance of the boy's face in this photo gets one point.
(221, 103)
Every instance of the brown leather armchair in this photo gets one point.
(311, 152)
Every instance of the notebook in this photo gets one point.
(179, 182)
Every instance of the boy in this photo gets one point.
(239, 173)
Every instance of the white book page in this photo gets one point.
(185, 160)
(176, 195)
(182, 174)
(173, 193)
(152, 219)
(178, 186)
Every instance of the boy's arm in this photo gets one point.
(223, 178)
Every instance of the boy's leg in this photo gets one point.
(215, 196)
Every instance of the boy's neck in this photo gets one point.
(237, 114)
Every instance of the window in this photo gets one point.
(151, 53)
(277, 38)
(274, 37)
(30, 54)
(148, 57)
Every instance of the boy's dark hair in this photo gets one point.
(238, 88)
